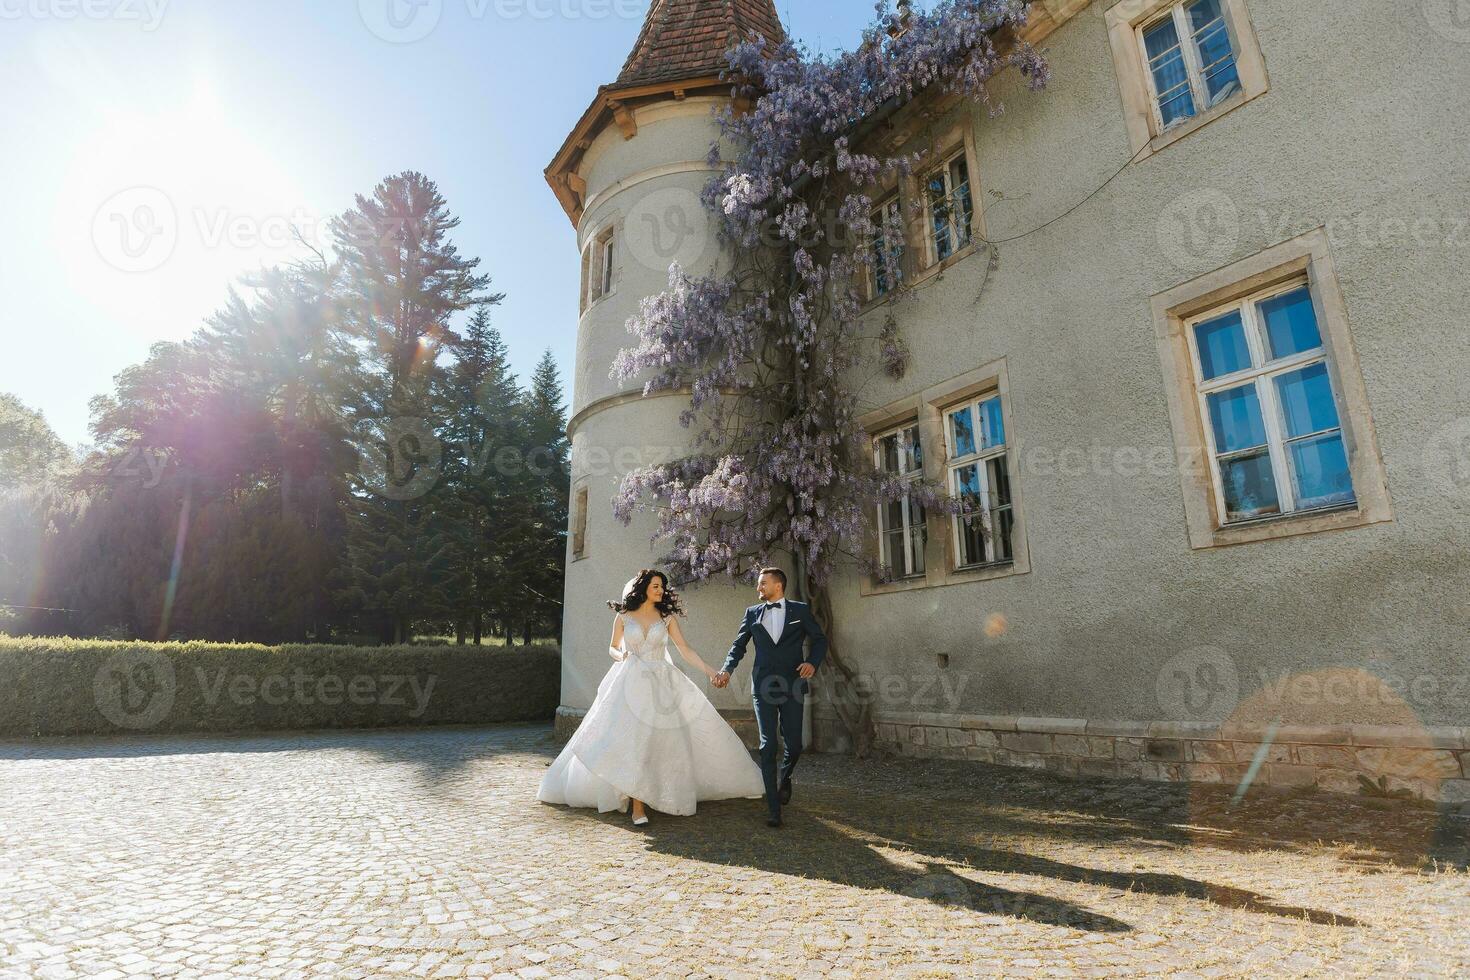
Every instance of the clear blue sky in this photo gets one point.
(157, 149)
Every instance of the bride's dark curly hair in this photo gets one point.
(635, 594)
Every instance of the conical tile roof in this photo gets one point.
(683, 39)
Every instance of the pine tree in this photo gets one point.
(485, 501)
(543, 567)
(403, 280)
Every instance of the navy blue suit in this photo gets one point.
(775, 687)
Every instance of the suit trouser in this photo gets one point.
(778, 709)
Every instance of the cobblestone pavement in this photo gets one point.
(422, 852)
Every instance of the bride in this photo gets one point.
(651, 737)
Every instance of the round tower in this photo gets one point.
(629, 177)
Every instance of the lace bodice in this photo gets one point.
(649, 644)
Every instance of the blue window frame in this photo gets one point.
(1270, 407)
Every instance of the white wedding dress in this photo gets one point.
(651, 735)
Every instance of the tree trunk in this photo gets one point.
(479, 627)
(459, 633)
(854, 708)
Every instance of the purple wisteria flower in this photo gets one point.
(769, 348)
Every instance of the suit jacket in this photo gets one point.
(778, 656)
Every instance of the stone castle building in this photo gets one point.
(1188, 331)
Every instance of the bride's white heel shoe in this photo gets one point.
(640, 821)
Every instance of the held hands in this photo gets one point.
(722, 679)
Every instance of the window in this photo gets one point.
(1181, 64)
(1275, 432)
(968, 418)
(903, 532)
(586, 286)
(602, 258)
(579, 524)
(1191, 61)
(605, 285)
(950, 210)
(887, 248)
(1270, 414)
(597, 268)
(979, 475)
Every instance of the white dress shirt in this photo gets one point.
(774, 620)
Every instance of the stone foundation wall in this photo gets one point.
(1432, 764)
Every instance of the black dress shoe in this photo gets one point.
(785, 793)
(773, 821)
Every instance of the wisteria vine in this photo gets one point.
(781, 464)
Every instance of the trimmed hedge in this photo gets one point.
(51, 686)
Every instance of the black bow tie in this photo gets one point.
(773, 605)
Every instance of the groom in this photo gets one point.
(779, 678)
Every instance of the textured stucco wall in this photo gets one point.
(1363, 123)
(614, 437)
(1363, 130)
(644, 430)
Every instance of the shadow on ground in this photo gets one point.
(996, 801)
(1363, 831)
(927, 852)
